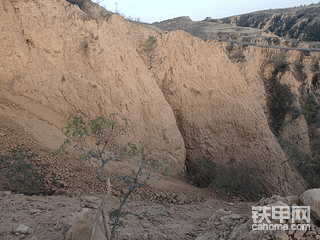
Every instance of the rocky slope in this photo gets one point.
(234, 226)
(52, 217)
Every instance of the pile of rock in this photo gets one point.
(179, 199)
(23, 231)
(150, 193)
(226, 225)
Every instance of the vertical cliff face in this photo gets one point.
(216, 112)
(286, 85)
(54, 54)
(66, 61)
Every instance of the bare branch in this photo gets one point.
(149, 47)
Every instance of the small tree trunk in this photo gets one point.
(100, 211)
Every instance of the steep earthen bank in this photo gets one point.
(53, 54)
(282, 73)
(56, 56)
(216, 112)
(286, 85)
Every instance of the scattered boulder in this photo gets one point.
(292, 200)
(311, 198)
(34, 211)
(281, 235)
(308, 198)
(92, 202)
(6, 193)
(225, 225)
(22, 229)
(181, 199)
(82, 227)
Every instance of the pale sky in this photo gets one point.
(152, 11)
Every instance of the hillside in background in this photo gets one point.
(205, 29)
(299, 23)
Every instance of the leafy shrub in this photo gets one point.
(307, 166)
(160, 165)
(204, 173)
(282, 56)
(238, 181)
(309, 110)
(20, 173)
(280, 99)
(229, 181)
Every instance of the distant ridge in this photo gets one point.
(301, 23)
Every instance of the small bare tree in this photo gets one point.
(98, 140)
(149, 47)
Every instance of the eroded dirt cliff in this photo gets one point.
(62, 62)
(286, 84)
(54, 56)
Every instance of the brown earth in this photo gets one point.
(50, 217)
(259, 57)
(97, 70)
(59, 60)
(258, 66)
(85, 71)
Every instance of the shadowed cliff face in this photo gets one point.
(63, 61)
(216, 112)
(286, 85)
(282, 73)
